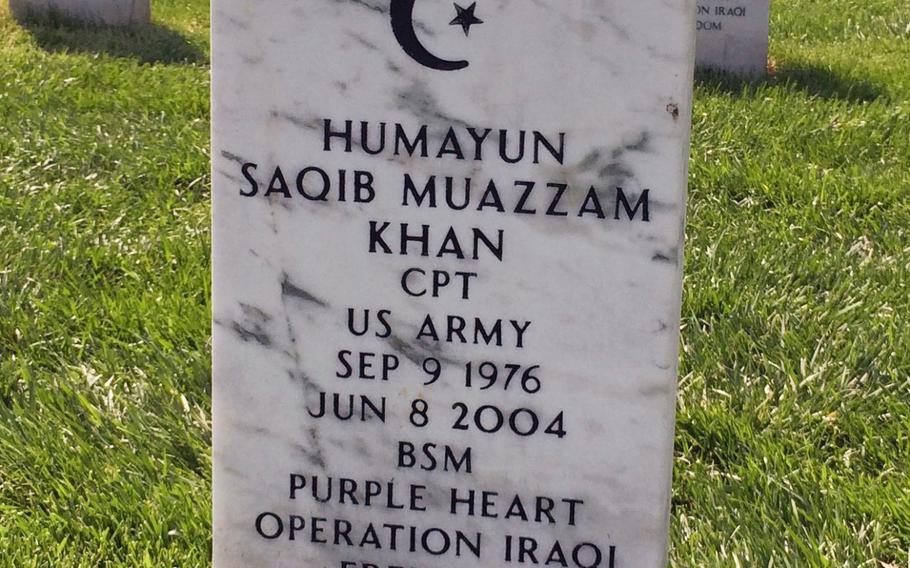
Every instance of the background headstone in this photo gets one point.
(447, 278)
(733, 35)
(98, 12)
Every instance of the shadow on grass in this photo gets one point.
(150, 43)
(812, 80)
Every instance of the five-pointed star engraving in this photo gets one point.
(465, 18)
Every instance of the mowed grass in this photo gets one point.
(104, 286)
(793, 441)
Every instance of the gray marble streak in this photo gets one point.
(602, 295)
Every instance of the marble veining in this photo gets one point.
(392, 239)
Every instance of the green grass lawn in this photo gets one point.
(793, 442)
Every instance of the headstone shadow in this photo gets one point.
(149, 43)
(810, 79)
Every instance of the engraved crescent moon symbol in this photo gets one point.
(402, 12)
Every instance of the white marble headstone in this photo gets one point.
(447, 269)
(733, 35)
(99, 12)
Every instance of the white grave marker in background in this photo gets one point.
(447, 270)
(733, 35)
